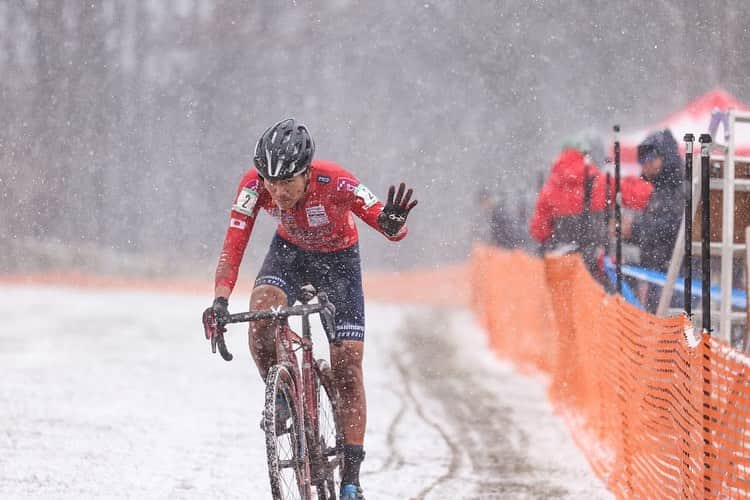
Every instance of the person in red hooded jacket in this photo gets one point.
(570, 209)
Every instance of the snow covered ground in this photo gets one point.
(116, 395)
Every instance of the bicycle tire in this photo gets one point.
(329, 434)
(285, 441)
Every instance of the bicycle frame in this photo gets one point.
(285, 342)
(304, 375)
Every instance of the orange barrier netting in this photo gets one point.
(659, 412)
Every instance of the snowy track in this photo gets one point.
(115, 395)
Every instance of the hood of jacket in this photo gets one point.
(666, 146)
(569, 170)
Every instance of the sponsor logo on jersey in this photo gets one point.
(346, 184)
(246, 201)
(365, 195)
(316, 216)
(237, 223)
(324, 179)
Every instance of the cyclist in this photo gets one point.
(316, 242)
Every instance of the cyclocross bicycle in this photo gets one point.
(304, 437)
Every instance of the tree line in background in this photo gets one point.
(126, 124)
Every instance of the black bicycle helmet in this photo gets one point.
(284, 150)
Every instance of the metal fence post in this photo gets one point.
(688, 187)
(705, 140)
(618, 213)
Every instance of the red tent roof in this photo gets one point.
(694, 118)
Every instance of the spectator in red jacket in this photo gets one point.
(570, 209)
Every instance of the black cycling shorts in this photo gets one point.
(338, 273)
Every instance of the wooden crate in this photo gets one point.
(741, 204)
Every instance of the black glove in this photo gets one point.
(396, 210)
(218, 313)
(214, 321)
(221, 310)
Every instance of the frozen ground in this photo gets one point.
(116, 395)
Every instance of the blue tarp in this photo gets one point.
(739, 297)
(627, 292)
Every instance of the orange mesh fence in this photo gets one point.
(658, 411)
(510, 296)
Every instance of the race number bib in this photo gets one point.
(246, 201)
(366, 195)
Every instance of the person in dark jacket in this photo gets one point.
(656, 231)
(497, 227)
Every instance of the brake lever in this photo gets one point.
(214, 332)
(218, 341)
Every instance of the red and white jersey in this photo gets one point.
(321, 221)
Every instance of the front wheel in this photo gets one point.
(285, 443)
(328, 434)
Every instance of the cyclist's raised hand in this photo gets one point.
(396, 210)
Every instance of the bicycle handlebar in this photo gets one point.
(214, 329)
(277, 313)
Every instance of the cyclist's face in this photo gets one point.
(286, 193)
